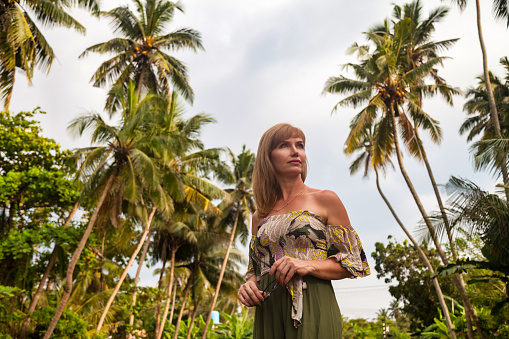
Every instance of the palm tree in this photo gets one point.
(204, 263)
(420, 49)
(478, 109)
(479, 120)
(175, 234)
(22, 44)
(486, 214)
(126, 269)
(205, 266)
(177, 167)
(394, 310)
(188, 219)
(388, 84)
(365, 161)
(140, 51)
(169, 123)
(243, 205)
(501, 12)
(137, 276)
(127, 161)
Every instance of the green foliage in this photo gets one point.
(492, 326)
(486, 214)
(400, 263)
(364, 329)
(10, 314)
(35, 190)
(491, 273)
(69, 326)
(23, 145)
(33, 170)
(235, 326)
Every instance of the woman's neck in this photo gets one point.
(290, 186)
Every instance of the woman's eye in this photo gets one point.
(283, 145)
(300, 146)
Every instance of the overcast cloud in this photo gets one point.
(266, 62)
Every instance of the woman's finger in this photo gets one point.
(247, 300)
(243, 296)
(254, 293)
(250, 295)
(289, 276)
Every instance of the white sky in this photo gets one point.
(266, 62)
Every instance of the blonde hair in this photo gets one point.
(266, 188)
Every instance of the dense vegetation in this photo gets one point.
(147, 192)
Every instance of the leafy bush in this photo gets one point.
(235, 327)
(10, 316)
(70, 325)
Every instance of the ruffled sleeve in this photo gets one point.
(344, 245)
(251, 266)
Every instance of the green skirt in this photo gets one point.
(321, 317)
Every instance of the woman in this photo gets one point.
(302, 239)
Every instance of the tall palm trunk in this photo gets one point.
(174, 294)
(137, 278)
(47, 271)
(223, 268)
(183, 306)
(159, 287)
(195, 312)
(460, 282)
(424, 259)
(168, 297)
(53, 256)
(425, 216)
(126, 270)
(437, 195)
(48, 285)
(491, 99)
(495, 122)
(140, 81)
(410, 186)
(74, 259)
(101, 270)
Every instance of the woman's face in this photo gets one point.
(289, 157)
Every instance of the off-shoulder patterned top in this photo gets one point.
(304, 235)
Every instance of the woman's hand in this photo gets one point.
(286, 267)
(249, 294)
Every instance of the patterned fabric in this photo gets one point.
(304, 235)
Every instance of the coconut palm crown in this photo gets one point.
(22, 44)
(140, 51)
(388, 88)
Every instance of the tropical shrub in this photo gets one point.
(69, 326)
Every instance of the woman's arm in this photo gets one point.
(249, 294)
(327, 269)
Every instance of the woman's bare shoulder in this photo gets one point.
(327, 195)
(333, 206)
